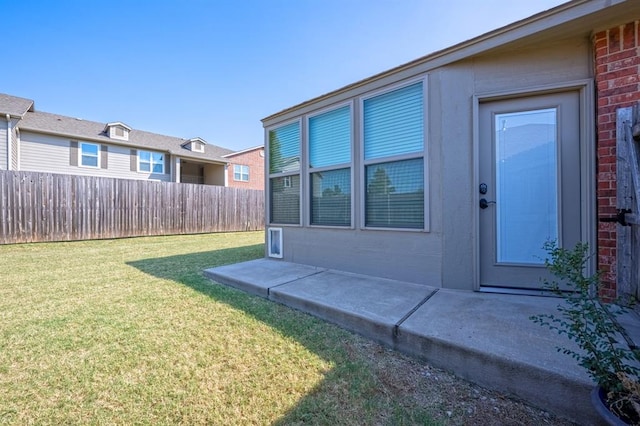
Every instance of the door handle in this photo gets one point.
(484, 203)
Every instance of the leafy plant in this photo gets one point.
(591, 323)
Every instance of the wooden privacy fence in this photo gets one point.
(36, 207)
(628, 201)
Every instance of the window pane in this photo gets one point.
(331, 198)
(285, 199)
(330, 138)
(395, 194)
(284, 149)
(526, 184)
(157, 168)
(144, 156)
(157, 158)
(145, 167)
(89, 161)
(89, 149)
(393, 123)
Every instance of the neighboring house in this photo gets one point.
(246, 168)
(452, 170)
(37, 141)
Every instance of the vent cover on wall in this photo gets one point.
(274, 242)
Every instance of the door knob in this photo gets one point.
(484, 203)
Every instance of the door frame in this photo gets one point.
(588, 232)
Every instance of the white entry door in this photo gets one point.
(530, 189)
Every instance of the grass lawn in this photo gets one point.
(130, 332)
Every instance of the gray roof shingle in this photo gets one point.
(44, 122)
(14, 105)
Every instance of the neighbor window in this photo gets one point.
(150, 162)
(393, 136)
(89, 154)
(284, 174)
(329, 166)
(241, 173)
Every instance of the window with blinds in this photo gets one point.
(393, 138)
(284, 174)
(330, 167)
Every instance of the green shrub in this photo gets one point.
(584, 318)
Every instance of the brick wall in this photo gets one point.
(617, 62)
(253, 158)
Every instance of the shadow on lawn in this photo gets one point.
(349, 384)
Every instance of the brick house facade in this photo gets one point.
(246, 168)
(617, 73)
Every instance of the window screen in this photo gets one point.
(284, 149)
(284, 159)
(285, 200)
(395, 194)
(89, 154)
(331, 197)
(393, 123)
(329, 183)
(330, 138)
(152, 162)
(241, 173)
(393, 126)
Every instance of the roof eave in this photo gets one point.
(231, 154)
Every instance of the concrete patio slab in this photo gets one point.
(490, 340)
(258, 276)
(486, 338)
(358, 303)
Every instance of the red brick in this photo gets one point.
(626, 59)
(629, 36)
(255, 161)
(627, 80)
(599, 38)
(609, 125)
(614, 39)
(617, 91)
(625, 99)
(619, 72)
(606, 167)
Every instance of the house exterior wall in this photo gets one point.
(255, 160)
(443, 255)
(4, 158)
(15, 152)
(51, 154)
(617, 62)
(214, 174)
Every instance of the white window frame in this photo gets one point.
(81, 145)
(241, 168)
(151, 162)
(424, 154)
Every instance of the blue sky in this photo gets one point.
(214, 68)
